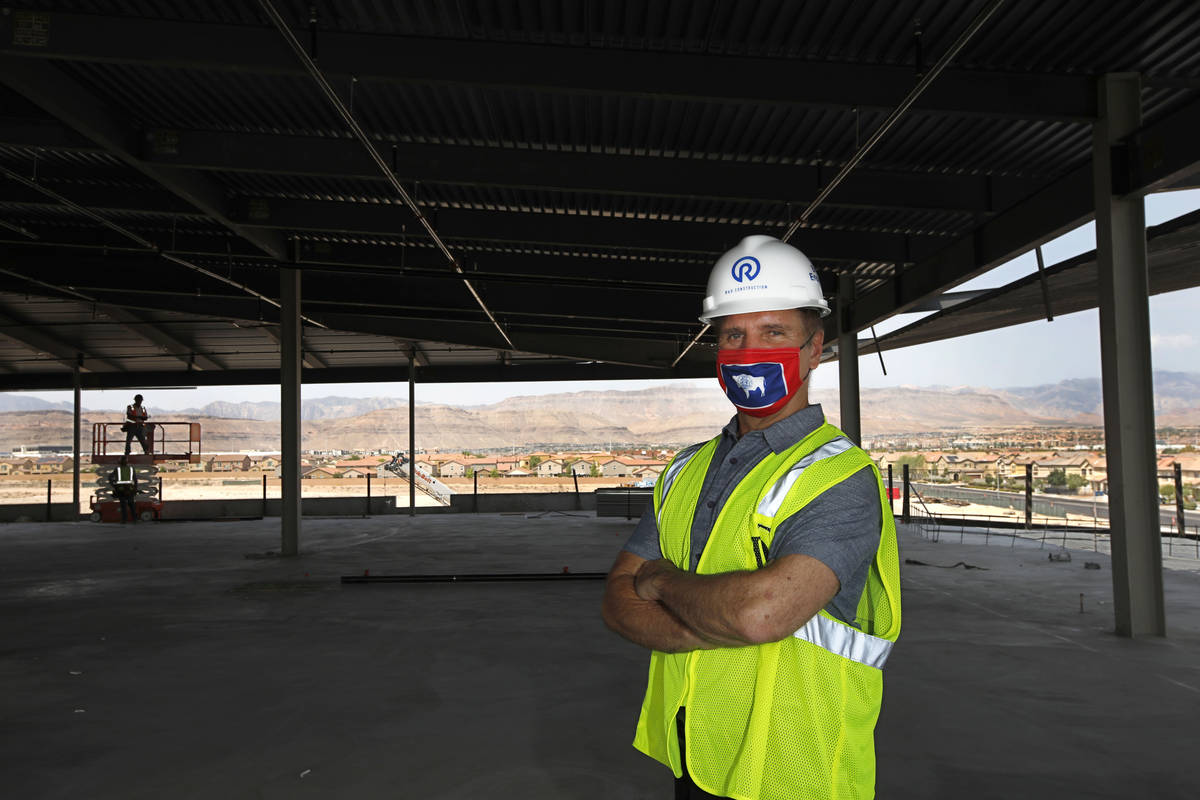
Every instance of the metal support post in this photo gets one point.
(575, 480)
(891, 491)
(264, 508)
(76, 441)
(412, 432)
(1127, 372)
(905, 511)
(1029, 496)
(369, 493)
(1179, 509)
(848, 362)
(289, 400)
(49, 501)
(475, 492)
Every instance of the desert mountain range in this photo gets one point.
(660, 415)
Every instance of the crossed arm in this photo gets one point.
(656, 605)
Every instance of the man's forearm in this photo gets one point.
(714, 606)
(647, 622)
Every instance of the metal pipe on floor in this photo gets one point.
(514, 577)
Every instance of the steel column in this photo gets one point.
(1126, 371)
(412, 433)
(848, 362)
(75, 441)
(1180, 517)
(289, 412)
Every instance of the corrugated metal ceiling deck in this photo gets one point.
(584, 161)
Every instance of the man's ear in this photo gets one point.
(817, 345)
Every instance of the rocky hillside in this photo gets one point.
(659, 415)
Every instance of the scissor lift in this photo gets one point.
(168, 441)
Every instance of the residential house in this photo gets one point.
(320, 472)
(265, 463)
(528, 460)
(977, 467)
(549, 468)
(22, 466)
(645, 473)
(356, 472)
(53, 464)
(581, 468)
(452, 468)
(1189, 468)
(228, 462)
(362, 464)
(1078, 465)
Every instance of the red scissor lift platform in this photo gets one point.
(168, 441)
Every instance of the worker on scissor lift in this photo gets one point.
(135, 424)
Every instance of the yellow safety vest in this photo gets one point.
(789, 719)
(124, 476)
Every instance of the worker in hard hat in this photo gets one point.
(135, 424)
(764, 577)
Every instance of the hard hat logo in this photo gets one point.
(788, 280)
(746, 268)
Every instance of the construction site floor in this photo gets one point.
(186, 660)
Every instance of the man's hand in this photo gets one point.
(649, 578)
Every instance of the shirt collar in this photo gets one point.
(781, 435)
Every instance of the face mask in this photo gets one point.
(760, 381)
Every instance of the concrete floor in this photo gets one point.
(178, 661)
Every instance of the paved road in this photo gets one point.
(1057, 502)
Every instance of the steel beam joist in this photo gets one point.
(576, 229)
(60, 96)
(20, 329)
(370, 57)
(578, 171)
(483, 165)
(1152, 157)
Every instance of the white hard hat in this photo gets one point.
(762, 274)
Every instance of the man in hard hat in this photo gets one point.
(765, 576)
(135, 424)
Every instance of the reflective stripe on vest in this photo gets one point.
(845, 641)
(672, 472)
(124, 475)
(773, 500)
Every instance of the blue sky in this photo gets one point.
(1021, 355)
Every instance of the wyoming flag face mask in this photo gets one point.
(760, 381)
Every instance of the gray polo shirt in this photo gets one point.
(840, 527)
